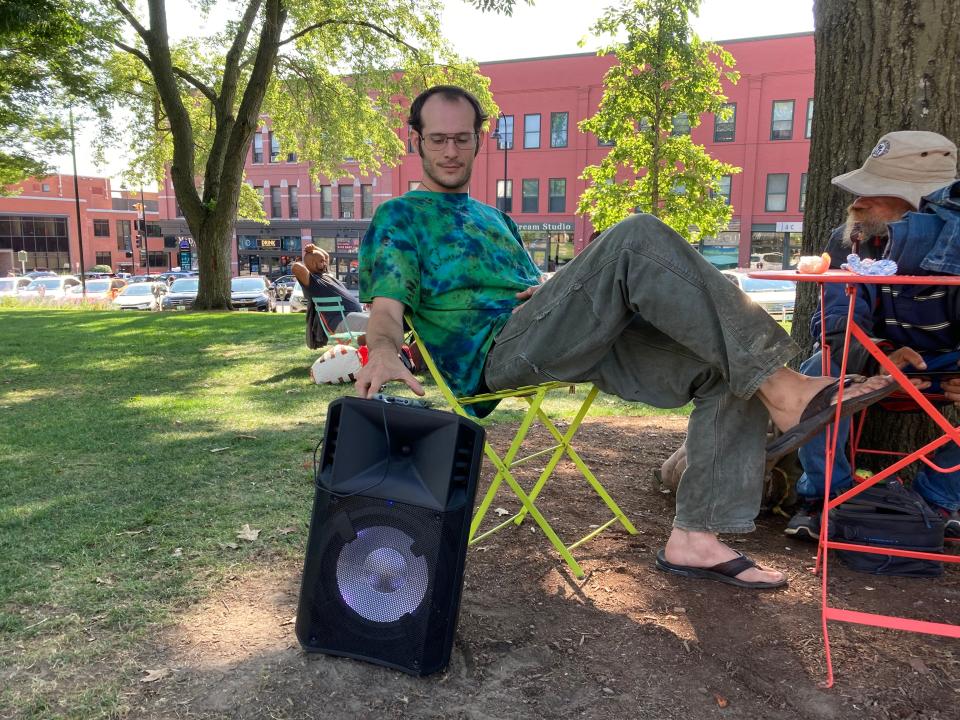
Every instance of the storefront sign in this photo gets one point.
(268, 243)
(790, 226)
(184, 243)
(185, 261)
(546, 227)
(347, 244)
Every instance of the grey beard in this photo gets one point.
(855, 230)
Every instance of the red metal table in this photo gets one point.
(950, 433)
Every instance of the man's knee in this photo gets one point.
(638, 229)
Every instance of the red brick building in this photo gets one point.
(41, 220)
(543, 100)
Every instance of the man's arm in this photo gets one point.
(384, 337)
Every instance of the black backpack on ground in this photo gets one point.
(888, 514)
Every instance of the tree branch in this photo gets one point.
(134, 51)
(383, 31)
(132, 19)
(199, 85)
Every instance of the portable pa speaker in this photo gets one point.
(388, 537)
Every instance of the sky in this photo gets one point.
(549, 27)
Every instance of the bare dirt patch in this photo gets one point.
(625, 642)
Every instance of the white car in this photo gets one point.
(140, 296)
(777, 297)
(49, 288)
(11, 286)
(297, 302)
(98, 290)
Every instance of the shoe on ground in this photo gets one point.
(951, 521)
(805, 523)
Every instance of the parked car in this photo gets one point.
(297, 301)
(181, 294)
(253, 292)
(284, 286)
(53, 288)
(40, 273)
(777, 297)
(11, 286)
(140, 296)
(99, 290)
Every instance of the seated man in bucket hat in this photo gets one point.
(917, 325)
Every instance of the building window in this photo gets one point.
(505, 132)
(104, 258)
(505, 198)
(124, 235)
(293, 195)
(781, 124)
(366, 201)
(531, 131)
(809, 127)
(276, 210)
(530, 200)
(346, 201)
(558, 195)
(291, 157)
(259, 194)
(725, 130)
(46, 187)
(101, 228)
(776, 192)
(409, 139)
(257, 147)
(559, 122)
(326, 202)
(681, 124)
(803, 191)
(413, 185)
(274, 147)
(605, 143)
(723, 190)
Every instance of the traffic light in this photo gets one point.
(140, 225)
(138, 207)
(139, 241)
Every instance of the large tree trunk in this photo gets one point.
(881, 65)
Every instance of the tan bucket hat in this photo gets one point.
(906, 164)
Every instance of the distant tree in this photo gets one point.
(50, 52)
(329, 74)
(664, 79)
(881, 65)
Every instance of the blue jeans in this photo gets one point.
(644, 316)
(941, 489)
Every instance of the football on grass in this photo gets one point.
(337, 365)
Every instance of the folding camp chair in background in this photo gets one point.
(335, 305)
(534, 396)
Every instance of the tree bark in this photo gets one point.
(881, 65)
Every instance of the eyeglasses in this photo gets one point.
(438, 141)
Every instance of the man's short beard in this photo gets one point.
(861, 225)
(445, 183)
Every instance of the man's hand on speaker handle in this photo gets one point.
(384, 366)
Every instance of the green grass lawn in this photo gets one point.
(134, 448)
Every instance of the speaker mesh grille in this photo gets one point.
(378, 575)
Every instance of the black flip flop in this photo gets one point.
(820, 412)
(725, 572)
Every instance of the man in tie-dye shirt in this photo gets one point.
(639, 313)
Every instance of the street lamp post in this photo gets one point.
(500, 135)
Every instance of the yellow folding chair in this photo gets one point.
(534, 395)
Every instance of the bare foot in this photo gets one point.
(787, 393)
(704, 550)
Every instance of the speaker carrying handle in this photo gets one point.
(329, 490)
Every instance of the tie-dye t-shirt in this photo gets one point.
(457, 265)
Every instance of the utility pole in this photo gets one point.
(76, 197)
